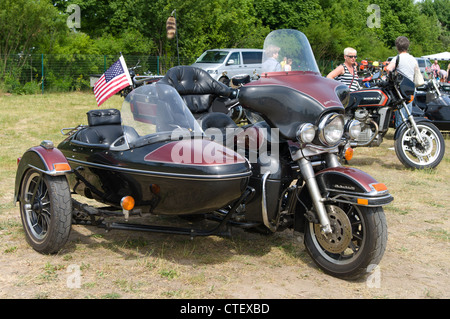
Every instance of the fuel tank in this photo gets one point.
(369, 97)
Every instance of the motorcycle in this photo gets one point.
(418, 143)
(165, 153)
(138, 80)
(433, 103)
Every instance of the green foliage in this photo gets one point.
(25, 24)
(138, 27)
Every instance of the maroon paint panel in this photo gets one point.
(309, 83)
(359, 176)
(194, 152)
(50, 156)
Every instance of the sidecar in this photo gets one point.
(149, 157)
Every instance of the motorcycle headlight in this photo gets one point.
(353, 128)
(331, 129)
(306, 133)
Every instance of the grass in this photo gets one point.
(137, 265)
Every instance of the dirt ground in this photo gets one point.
(96, 264)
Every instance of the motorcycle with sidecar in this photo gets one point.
(166, 153)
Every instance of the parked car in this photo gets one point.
(425, 67)
(223, 64)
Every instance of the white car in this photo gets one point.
(223, 64)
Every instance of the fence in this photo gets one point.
(35, 73)
(39, 73)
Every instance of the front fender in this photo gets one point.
(351, 185)
(47, 160)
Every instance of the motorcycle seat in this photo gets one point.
(197, 88)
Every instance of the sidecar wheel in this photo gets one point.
(413, 154)
(46, 211)
(357, 243)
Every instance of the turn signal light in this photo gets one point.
(379, 187)
(61, 167)
(127, 203)
(363, 201)
(348, 154)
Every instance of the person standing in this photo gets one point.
(435, 68)
(346, 72)
(406, 66)
(448, 72)
(271, 64)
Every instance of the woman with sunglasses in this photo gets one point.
(346, 72)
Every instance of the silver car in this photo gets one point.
(425, 67)
(223, 64)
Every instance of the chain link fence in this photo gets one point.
(34, 73)
(39, 73)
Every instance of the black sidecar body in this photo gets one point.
(152, 150)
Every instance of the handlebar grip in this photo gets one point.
(233, 94)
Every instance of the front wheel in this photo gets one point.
(421, 152)
(355, 246)
(46, 211)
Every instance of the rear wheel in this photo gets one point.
(414, 153)
(46, 211)
(355, 246)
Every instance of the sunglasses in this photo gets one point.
(352, 56)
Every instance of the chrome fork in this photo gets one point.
(307, 172)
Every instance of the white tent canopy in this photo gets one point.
(438, 56)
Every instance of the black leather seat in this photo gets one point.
(199, 91)
(105, 126)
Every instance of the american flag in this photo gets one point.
(115, 79)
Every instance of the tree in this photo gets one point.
(26, 24)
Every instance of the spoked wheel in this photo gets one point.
(358, 240)
(414, 153)
(46, 211)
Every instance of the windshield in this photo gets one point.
(154, 109)
(288, 50)
(212, 57)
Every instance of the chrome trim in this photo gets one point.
(376, 201)
(163, 174)
(324, 123)
(309, 176)
(265, 215)
(52, 172)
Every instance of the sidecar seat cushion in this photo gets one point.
(104, 134)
